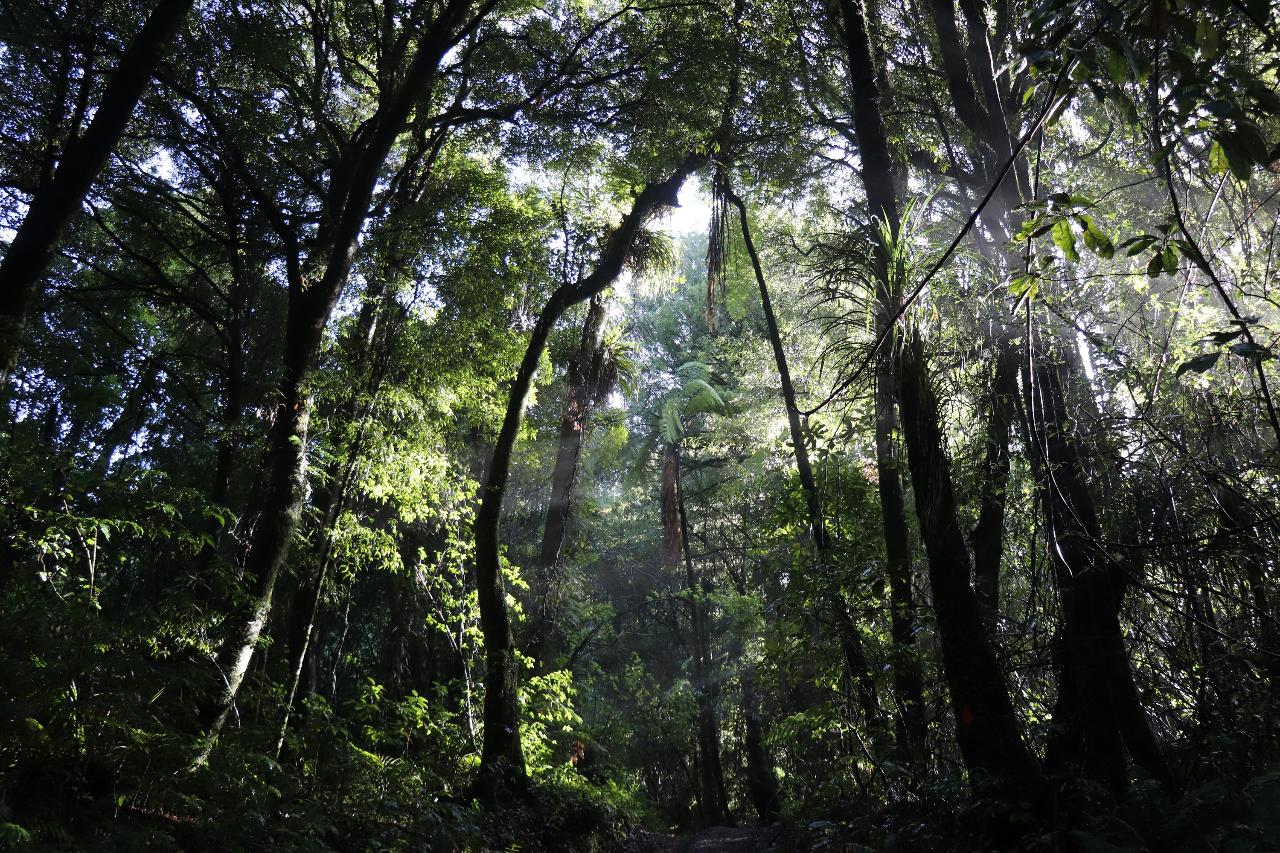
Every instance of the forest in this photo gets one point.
(640, 425)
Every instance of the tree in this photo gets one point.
(58, 198)
(996, 756)
(502, 762)
(315, 283)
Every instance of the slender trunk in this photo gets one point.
(879, 180)
(331, 499)
(305, 612)
(712, 799)
(971, 82)
(987, 537)
(584, 382)
(908, 682)
(58, 200)
(857, 667)
(502, 757)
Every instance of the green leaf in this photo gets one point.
(1251, 351)
(1253, 140)
(1117, 68)
(1237, 154)
(1025, 285)
(13, 835)
(1095, 239)
(1218, 163)
(670, 428)
(1065, 239)
(1224, 337)
(1170, 258)
(1155, 266)
(1207, 38)
(1138, 245)
(1199, 363)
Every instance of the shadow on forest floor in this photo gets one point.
(717, 839)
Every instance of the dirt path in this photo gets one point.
(717, 839)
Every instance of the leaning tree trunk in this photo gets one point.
(57, 202)
(986, 724)
(331, 499)
(502, 768)
(281, 509)
(970, 80)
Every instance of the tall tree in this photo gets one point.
(1098, 704)
(58, 199)
(986, 725)
(592, 374)
(911, 727)
(314, 285)
(502, 765)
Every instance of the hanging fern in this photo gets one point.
(717, 238)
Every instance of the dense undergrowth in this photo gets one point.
(558, 425)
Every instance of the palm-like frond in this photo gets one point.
(651, 251)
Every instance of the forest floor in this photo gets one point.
(717, 839)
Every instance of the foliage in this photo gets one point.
(1082, 283)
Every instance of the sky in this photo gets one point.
(694, 213)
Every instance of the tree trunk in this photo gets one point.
(314, 288)
(714, 804)
(987, 728)
(1101, 710)
(857, 668)
(58, 200)
(502, 767)
(970, 77)
(332, 497)
(987, 537)
(762, 785)
(986, 725)
(282, 508)
(1097, 701)
(583, 384)
(908, 682)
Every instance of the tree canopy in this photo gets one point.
(586, 424)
